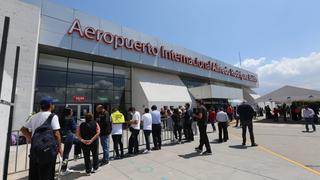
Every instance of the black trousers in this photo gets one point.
(117, 141)
(223, 128)
(177, 130)
(42, 171)
(93, 148)
(244, 132)
(188, 131)
(156, 135)
(133, 142)
(147, 138)
(204, 138)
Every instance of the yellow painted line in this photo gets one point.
(283, 157)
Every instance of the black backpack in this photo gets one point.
(43, 145)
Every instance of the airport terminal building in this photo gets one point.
(81, 61)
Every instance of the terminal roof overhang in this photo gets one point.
(56, 22)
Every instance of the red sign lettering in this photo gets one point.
(123, 42)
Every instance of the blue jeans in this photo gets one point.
(105, 146)
(69, 141)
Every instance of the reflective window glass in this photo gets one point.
(53, 62)
(77, 65)
(121, 84)
(51, 78)
(102, 69)
(78, 95)
(57, 93)
(102, 96)
(102, 82)
(79, 80)
(122, 72)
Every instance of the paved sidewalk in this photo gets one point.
(229, 161)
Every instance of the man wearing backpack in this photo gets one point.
(45, 141)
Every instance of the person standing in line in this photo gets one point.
(147, 128)
(201, 116)
(170, 124)
(275, 114)
(68, 130)
(212, 118)
(156, 128)
(43, 167)
(222, 119)
(230, 112)
(103, 119)
(133, 148)
(246, 112)
(188, 123)
(177, 124)
(308, 115)
(88, 133)
(117, 120)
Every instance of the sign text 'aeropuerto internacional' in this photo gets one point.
(118, 41)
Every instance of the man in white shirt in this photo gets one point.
(39, 170)
(133, 148)
(156, 127)
(308, 115)
(147, 128)
(222, 119)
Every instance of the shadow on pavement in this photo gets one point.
(73, 175)
(280, 121)
(190, 155)
(238, 147)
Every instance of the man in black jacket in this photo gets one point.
(188, 123)
(201, 117)
(103, 119)
(246, 113)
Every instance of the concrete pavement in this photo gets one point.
(285, 153)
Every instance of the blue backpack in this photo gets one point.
(43, 145)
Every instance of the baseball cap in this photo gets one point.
(46, 100)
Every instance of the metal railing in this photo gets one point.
(19, 161)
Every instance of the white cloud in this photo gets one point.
(301, 72)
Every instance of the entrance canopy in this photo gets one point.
(289, 94)
(153, 88)
(215, 91)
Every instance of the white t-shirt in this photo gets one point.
(136, 116)
(116, 129)
(147, 121)
(222, 116)
(38, 119)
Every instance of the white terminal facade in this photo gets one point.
(81, 61)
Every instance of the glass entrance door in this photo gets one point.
(79, 111)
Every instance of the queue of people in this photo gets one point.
(48, 133)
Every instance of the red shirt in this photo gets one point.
(229, 109)
(212, 116)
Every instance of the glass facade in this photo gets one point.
(75, 81)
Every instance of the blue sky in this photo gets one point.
(263, 31)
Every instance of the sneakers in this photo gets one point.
(254, 144)
(207, 153)
(66, 172)
(95, 170)
(146, 151)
